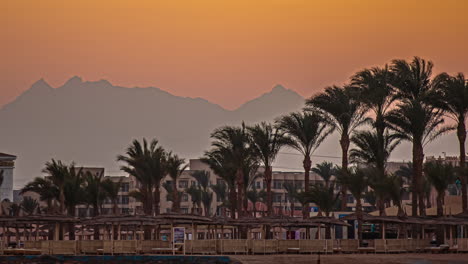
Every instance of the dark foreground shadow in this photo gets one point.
(43, 259)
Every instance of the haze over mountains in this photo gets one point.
(91, 122)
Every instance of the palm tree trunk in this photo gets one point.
(175, 197)
(440, 213)
(240, 188)
(359, 217)
(307, 163)
(461, 134)
(62, 200)
(157, 198)
(418, 160)
(71, 226)
(344, 143)
(417, 176)
(292, 207)
(267, 176)
(233, 198)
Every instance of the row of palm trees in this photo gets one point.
(67, 186)
(376, 110)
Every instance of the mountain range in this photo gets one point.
(91, 122)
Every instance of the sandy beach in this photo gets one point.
(354, 258)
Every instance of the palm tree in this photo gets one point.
(94, 192)
(374, 151)
(175, 168)
(455, 95)
(220, 189)
(325, 198)
(168, 186)
(57, 172)
(440, 175)
(267, 142)
(196, 196)
(291, 191)
(47, 191)
(29, 205)
(325, 170)
(235, 142)
(417, 117)
(220, 163)
(356, 181)
(203, 180)
(343, 109)
(146, 162)
(306, 131)
(255, 197)
(375, 91)
(111, 190)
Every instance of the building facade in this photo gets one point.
(7, 166)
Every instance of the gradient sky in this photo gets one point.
(224, 51)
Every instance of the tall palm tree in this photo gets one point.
(220, 189)
(357, 181)
(325, 170)
(111, 190)
(267, 142)
(48, 192)
(235, 142)
(94, 191)
(342, 107)
(29, 205)
(440, 175)
(306, 131)
(168, 186)
(455, 95)
(146, 162)
(291, 191)
(255, 197)
(417, 117)
(175, 168)
(325, 198)
(203, 180)
(57, 172)
(219, 161)
(374, 151)
(196, 196)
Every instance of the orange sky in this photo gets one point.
(224, 51)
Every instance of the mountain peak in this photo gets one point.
(41, 85)
(75, 80)
(278, 88)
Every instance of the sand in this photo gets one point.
(354, 258)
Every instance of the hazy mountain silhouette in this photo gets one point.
(91, 122)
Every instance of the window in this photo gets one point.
(125, 187)
(125, 210)
(349, 198)
(277, 184)
(185, 197)
(194, 183)
(125, 199)
(183, 184)
(258, 185)
(184, 210)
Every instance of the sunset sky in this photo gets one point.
(224, 51)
